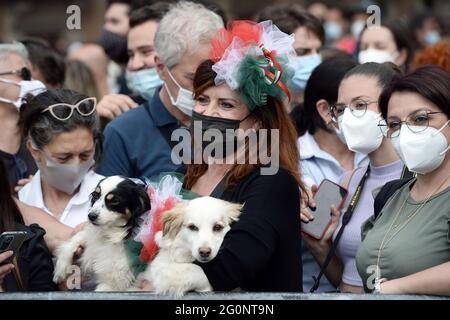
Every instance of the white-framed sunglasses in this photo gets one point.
(63, 111)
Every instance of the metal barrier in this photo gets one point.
(208, 296)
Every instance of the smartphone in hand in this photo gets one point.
(328, 194)
(11, 241)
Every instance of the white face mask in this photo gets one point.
(362, 134)
(64, 177)
(376, 55)
(357, 27)
(185, 101)
(421, 152)
(338, 130)
(33, 87)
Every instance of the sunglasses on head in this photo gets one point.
(63, 111)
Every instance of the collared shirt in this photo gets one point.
(134, 145)
(76, 211)
(316, 164)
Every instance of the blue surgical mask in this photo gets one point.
(333, 30)
(304, 67)
(145, 82)
(432, 37)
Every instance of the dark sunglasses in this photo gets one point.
(24, 73)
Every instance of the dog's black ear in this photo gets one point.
(139, 203)
(143, 198)
(172, 221)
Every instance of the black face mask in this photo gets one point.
(115, 46)
(221, 124)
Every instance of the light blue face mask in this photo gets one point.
(304, 67)
(432, 37)
(333, 30)
(145, 82)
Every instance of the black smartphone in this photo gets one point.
(328, 194)
(11, 241)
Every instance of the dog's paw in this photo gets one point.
(104, 287)
(205, 288)
(172, 292)
(60, 273)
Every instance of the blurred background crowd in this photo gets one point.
(59, 57)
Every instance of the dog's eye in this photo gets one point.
(95, 196)
(217, 228)
(192, 227)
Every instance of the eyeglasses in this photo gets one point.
(416, 122)
(63, 111)
(24, 73)
(357, 107)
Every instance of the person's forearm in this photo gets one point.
(56, 232)
(334, 270)
(432, 281)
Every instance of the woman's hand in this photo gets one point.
(306, 203)
(390, 287)
(21, 183)
(80, 249)
(335, 214)
(321, 247)
(5, 268)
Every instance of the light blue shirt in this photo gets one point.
(316, 165)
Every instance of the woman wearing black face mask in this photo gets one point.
(262, 251)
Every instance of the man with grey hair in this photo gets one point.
(15, 83)
(137, 143)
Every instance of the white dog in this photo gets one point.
(192, 231)
(117, 203)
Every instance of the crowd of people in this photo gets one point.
(367, 107)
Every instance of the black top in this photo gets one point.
(35, 263)
(18, 166)
(262, 251)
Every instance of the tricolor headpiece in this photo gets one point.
(254, 59)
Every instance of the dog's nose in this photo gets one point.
(92, 216)
(204, 252)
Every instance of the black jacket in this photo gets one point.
(262, 251)
(35, 263)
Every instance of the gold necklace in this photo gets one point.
(384, 242)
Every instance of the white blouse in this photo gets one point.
(77, 209)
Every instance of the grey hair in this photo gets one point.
(16, 48)
(183, 28)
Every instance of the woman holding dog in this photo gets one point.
(62, 129)
(243, 86)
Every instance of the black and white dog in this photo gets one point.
(117, 204)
